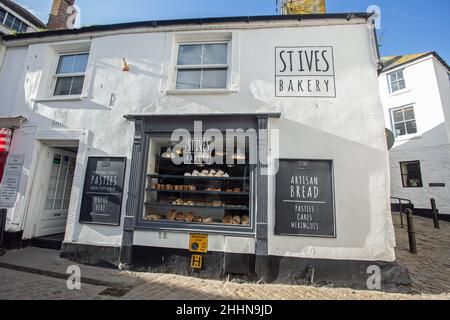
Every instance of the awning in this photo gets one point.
(5, 139)
(12, 122)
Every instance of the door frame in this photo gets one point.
(48, 153)
(51, 138)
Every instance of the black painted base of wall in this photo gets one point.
(106, 257)
(246, 267)
(13, 241)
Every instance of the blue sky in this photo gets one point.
(408, 26)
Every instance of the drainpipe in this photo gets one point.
(2, 54)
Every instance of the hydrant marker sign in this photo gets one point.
(305, 199)
(305, 72)
(103, 191)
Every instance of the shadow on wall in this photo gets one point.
(361, 188)
(434, 137)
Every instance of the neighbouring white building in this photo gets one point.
(93, 112)
(415, 92)
(16, 19)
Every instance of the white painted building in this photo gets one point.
(415, 91)
(16, 19)
(119, 90)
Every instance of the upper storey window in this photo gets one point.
(202, 66)
(70, 73)
(396, 81)
(12, 22)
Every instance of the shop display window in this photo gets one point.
(197, 192)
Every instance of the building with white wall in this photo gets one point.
(16, 19)
(415, 92)
(94, 158)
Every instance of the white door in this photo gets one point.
(57, 188)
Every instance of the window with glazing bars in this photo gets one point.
(69, 77)
(202, 66)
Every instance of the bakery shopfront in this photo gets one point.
(247, 146)
(196, 175)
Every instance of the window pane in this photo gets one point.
(399, 74)
(23, 27)
(63, 86)
(401, 84)
(215, 53)
(9, 20)
(395, 86)
(409, 113)
(411, 127)
(393, 77)
(400, 129)
(80, 63)
(190, 54)
(16, 24)
(77, 85)
(188, 79)
(2, 15)
(66, 64)
(398, 116)
(214, 79)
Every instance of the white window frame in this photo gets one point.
(66, 75)
(7, 13)
(201, 66)
(390, 82)
(404, 121)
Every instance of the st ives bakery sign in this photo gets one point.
(304, 198)
(305, 72)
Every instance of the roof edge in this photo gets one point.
(195, 21)
(431, 53)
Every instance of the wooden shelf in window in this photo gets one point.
(201, 192)
(159, 204)
(165, 176)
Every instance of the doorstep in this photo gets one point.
(47, 262)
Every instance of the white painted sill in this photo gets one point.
(60, 98)
(408, 138)
(400, 92)
(199, 91)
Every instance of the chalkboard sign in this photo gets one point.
(103, 191)
(305, 199)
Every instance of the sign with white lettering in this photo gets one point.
(305, 72)
(103, 191)
(304, 199)
(11, 180)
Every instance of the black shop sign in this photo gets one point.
(305, 199)
(103, 191)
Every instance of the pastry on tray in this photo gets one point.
(189, 217)
(245, 220)
(179, 216)
(171, 215)
(197, 219)
(154, 217)
(236, 220)
(228, 219)
(208, 220)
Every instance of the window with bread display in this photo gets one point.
(199, 193)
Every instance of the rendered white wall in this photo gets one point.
(348, 129)
(427, 89)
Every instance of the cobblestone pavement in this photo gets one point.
(430, 271)
(430, 267)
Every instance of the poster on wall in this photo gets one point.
(11, 180)
(103, 191)
(305, 72)
(305, 199)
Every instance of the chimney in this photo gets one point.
(302, 6)
(60, 14)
